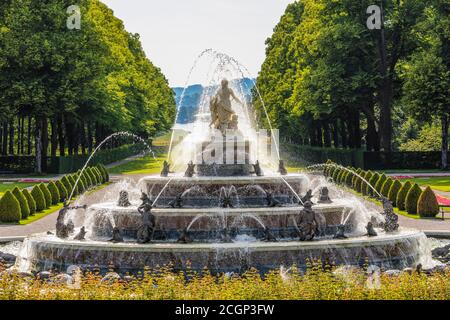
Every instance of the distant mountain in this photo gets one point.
(193, 94)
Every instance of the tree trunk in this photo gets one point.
(445, 125)
(326, 134)
(38, 146)
(22, 136)
(61, 139)
(89, 127)
(5, 139)
(29, 144)
(335, 131)
(11, 137)
(343, 132)
(83, 138)
(319, 134)
(44, 143)
(19, 130)
(54, 136)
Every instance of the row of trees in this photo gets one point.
(64, 90)
(330, 81)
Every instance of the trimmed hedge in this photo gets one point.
(386, 187)
(9, 208)
(412, 198)
(62, 190)
(349, 178)
(104, 171)
(401, 196)
(359, 182)
(68, 185)
(93, 177)
(380, 182)
(47, 195)
(427, 206)
(74, 187)
(393, 192)
(38, 197)
(30, 201)
(54, 192)
(365, 186)
(23, 203)
(373, 181)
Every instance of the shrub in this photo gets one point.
(47, 195)
(83, 178)
(23, 203)
(339, 177)
(92, 176)
(62, 190)
(373, 181)
(427, 206)
(401, 196)
(359, 183)
(393, 192)
(68, 185)
(365, 186)
(386, 187)
(79, 183)
(336, 174)
(344, 177)
(355, 177)
(349, 178)
(30, 200)
(89, 182)
(74, 187)
(380, 182)
(9, 208)
(38, 197)
(412, 198)
(98, 175)
(54, 192)
(104, 172)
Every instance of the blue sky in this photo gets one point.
(174, 32)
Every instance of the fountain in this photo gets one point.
(227, 206)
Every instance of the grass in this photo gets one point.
(6, 186)
(315, 284)
(142, 165)
(435, 183)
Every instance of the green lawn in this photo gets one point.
(143, 165)
(436, 183)
(5, 186)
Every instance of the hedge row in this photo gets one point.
(20, 204)
(405, 196)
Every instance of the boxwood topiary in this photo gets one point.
(9, 208)
(365, 185)
(30, 201)
(23, 203)
(47, 195)
(98, 175)
(54, 192)
(393, 192)
(359, 182)
(427, 206)
(92, 176)
(348, 179)
(74, 187)
(380, 182)
(89, 182)
(386, 187)
(104, 172)
(38, 197)
(401, 196)
(78, 182)
(412, 198)
(372, 181)
(67, 184)
(62, 190)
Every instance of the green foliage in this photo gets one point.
(47, 195)
(62, 190)
(349, 178)
(336, 174)
(429, 139)
(393, 192)
(427, 206)
(412, 198)
(365, 187)
(9, 208)
(104, 172)
(401, 196)
(24, 208)
(97, 174)
(74, 187)
(92, 176)
(30, 201)
(373, 181)
(68, 185)
(359, 183)
(386, 187)
(87, 177)
(39, 198)
(355, 178)
(54, 192)
(380, 182)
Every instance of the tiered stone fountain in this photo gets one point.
(226, 215)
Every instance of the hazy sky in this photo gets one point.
(174, 32)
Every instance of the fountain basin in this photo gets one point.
(174, 219)
(394, 250)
